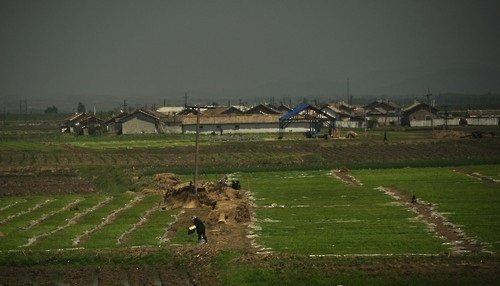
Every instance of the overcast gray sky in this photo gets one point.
(110, 50)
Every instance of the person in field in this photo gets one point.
(200, 229)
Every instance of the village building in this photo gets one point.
(144, 121)
(307, 119)
(263, 109)
(231, 124)
(114, 124)
(171, 110)
(283, 109)
(419, 114)
(82, 124)
(222, 110)
(483, 117)
(383, 112)
(343, 114)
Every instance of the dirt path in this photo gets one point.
(454, 235)
(476, 175)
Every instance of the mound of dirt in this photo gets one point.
(343, 175)
(226, 212)
(448, 134)
(166, 180)
(227, 205)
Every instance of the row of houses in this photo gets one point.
(267, 119)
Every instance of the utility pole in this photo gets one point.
(366, 122)
(196, 153)
(428, 95)
(446, 118)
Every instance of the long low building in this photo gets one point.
(146, 121)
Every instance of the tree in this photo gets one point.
(81, 107)
(51, 109)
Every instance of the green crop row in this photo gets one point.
(308, 212)
(63, 221)
(311, 212)
(466, 201)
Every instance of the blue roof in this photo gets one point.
(294, 112)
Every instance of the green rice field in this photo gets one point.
(311, 212)
(304, 212)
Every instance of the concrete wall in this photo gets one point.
(349, 124)
(139, 124)
(484, 121)
(454, 122)
(244, 128)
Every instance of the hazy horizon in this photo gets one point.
(61, 52)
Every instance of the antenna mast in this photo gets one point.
(348, 98)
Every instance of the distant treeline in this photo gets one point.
(469, 101)
(449, 100)
(441, 100)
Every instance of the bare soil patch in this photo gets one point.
(343, 175)
(226, 212)
(476, 175)
(42, 181)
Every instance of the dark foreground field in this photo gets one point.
(61, 166)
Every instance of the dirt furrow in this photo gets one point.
(426, 212)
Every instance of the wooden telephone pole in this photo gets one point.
(197, 149)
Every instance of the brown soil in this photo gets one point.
(476, 175)
(41, 181)
(226, 212)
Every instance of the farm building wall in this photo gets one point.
(172, 129)
(388, 120)
(298, 127)
(434, 122)
(453, 122)
(243, 128)
(114, 127)
(421, 114)
(139, 123)
(348, 124)
(483, 121)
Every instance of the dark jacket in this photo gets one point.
(200, 227)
